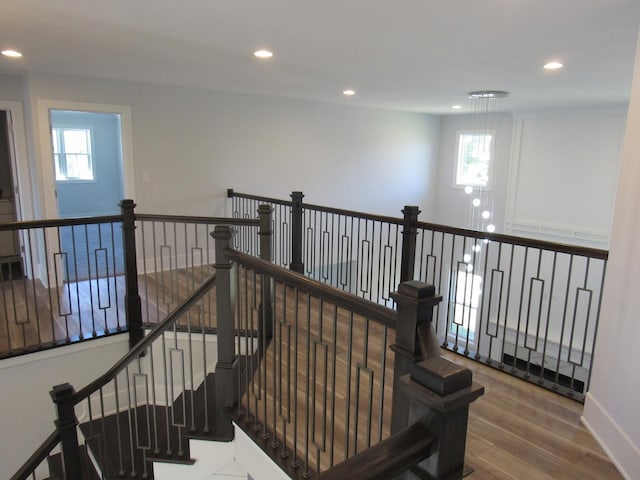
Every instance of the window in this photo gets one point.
(72, 154)
(474, 158)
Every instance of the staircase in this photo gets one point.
(131, 443)
(315, 376)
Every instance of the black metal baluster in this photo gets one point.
(521, 297)
(506, 309)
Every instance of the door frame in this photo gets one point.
(22, 186)
(48, 181)
(23, 199)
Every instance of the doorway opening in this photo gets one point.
(10, 260)
(88, 168)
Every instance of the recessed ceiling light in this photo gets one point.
(456, 107)
(11, 53)
(263, 53)
(349, 92)
(553, 66)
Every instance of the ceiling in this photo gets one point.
(415, 55)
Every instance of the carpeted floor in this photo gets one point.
(92, 251)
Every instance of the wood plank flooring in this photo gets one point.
(32, 315)
(520, 431)
(516, 430)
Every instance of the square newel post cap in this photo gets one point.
(441, 376)
(62, 391)
(415, 291)
(441, 385)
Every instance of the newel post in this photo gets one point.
(62, 396)
(415, 340)
(132, 302)
(409, 235)
(296, 233)
(440, 392)
(265, 327)
(225, 390)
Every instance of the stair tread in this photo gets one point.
(191, 416)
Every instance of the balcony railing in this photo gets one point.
(73, 276)
(317, 375)
(528, 307)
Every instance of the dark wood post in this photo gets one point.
(409, 235)
(265, 327)
(440, 392)
(296, 233)
(415, 340)
(132, 302)
(225, 391)
(62, 396)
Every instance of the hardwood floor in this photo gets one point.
(516, 430)
(32, 316)
(520, 431)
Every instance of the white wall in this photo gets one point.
(453, 206)
(28, 412)
(563, 175)
(554, 175)
(11, 86)
(192, 145)
(611, 408)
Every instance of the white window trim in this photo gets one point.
(91, 156)
(485, 131)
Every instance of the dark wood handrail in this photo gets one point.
(354, 213)
(366, 308)
(251, 222)
(496, 237)
(66, 222)
(145, 342)
(320, 208)
(520, 241)
(248, 196)
(43, 451)
(59, 222)
(390, 457)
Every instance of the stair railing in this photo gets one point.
(35, 461)
(147, 404)
(334, 375)
(528, 307)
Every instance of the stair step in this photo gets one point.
(128, 461)
(56, 470)
(192, 416)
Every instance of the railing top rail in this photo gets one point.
(251, 222)
(521, 241)
(498, 237)
(231, 193)
(145, 342)
(366, 308)
(59, 222)
(38, 456)
(388, 458)
(353, 213)
(320, 208)
(66, 222)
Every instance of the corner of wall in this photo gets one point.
(624, 454)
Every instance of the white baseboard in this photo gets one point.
(624, 454)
